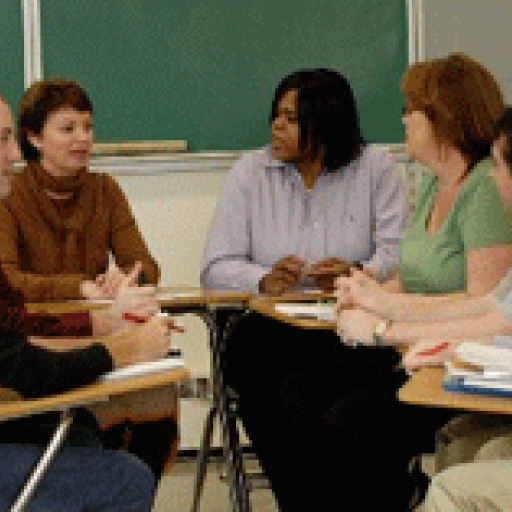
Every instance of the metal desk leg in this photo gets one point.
(237, 461)
(228, 417)
(209, 318)
(44, 462)
(202, 462)
(239, 495)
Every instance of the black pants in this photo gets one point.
(323, 417)
(151, 441)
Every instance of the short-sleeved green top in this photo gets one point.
(436, 264)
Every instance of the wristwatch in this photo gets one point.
(378, 332)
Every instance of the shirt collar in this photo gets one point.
(272, 163)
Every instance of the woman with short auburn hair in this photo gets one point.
(94, 478)
(38, 102)
(59, 223)
(60, 220)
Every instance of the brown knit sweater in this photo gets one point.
(34, 253)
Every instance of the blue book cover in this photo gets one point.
(457, 385)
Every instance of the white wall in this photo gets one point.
(480, 28)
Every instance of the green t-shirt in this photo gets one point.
(436, 264)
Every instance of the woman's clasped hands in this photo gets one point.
(291, 270)
(107, 285)
(361, 291)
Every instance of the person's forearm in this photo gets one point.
(36, 371)
(64, 324)
(45, 288)
(403, 307)
(112, 343)
(482, 326)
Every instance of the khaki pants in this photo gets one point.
(485, 483)
(462, 437)
(482, 486)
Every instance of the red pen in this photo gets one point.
(135, 319)
(434, 350)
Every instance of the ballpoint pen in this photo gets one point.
(434, 350)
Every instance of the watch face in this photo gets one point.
(380, 328)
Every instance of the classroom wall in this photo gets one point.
(480, 29)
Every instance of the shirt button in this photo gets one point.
(315, 224)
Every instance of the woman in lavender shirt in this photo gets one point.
(295, 213)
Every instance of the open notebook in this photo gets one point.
(141, 369)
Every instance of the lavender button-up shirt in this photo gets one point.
(265, 212)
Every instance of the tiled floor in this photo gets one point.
(176, 490)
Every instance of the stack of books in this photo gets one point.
(481, 369)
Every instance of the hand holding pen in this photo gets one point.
(428, 353)
(132, 304)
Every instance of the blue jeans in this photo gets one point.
(79, 479)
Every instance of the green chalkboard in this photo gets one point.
(205, 70)
(11, 52)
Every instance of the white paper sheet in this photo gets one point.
(323, 312)
(140, 369)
